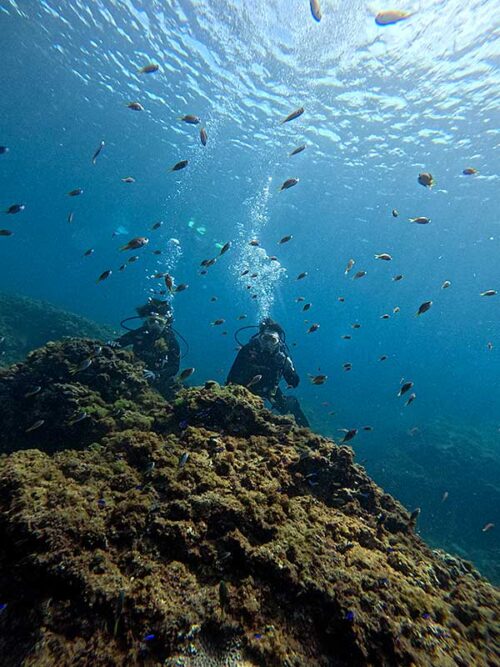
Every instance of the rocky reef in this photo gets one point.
(207, 531)
(26, 323)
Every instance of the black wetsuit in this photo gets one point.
(160, 351)
(253, 360)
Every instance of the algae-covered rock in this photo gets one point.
(26, 324)
(71, 393)
(219, 534)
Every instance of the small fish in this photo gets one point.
(367, 428)
(292, 116)
(217, 323)
(122, 267)
(445, 496)
(128, 179)
(241, 317)
(405, 387)
(245, 272)
(423, 308)
(33, 392)
(180, 165)
(135, 106)
(15, 208)
(347, 366)
(4, 150)
(213, 299)
(341, 299)
(157, 252)
(396, 309)
(318, 379)
(302, 275)
(313, 328)
(470, 171)
(76, 192)
(71, 217)
(395, 213)
(6, 232)
(133, 259)
(190, 119)
(298, 150)
(316, 10)
(79, 417)
(359, 274)
(356, 325)
(489, 345)
(225, 248)
(299, 299)
(306, 307)
(489, 292)
(86, 363)
(150, 68)
(185, 374)
(289, 183)
(414, 515)
(446, 284)
(398, 277)
(384, 256)
(254, 243)
(169, 282)
(349, 266)
(157, 225)
(97, 152)
(385, 316)
(426, 179)
(410, 400)
(349, 434)
(89, 252)
(181, 288)
(346, 337)
(37, 424)
(183, 459)
(203, 136)
(391, 16)
(255, 380)
(488, 527)
(285, 239)
(420, 220)
(135, 243)
(384, 357)
(104, 275)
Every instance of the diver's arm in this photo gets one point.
(290, 374)
(239, 370)
(127, 338)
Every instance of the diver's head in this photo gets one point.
(156, 324)
(156, 307)
(268, 324)
(269, 340)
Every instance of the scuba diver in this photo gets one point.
(260, 365)
(154, 343)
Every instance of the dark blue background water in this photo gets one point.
(381, 105)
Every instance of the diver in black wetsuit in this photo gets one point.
(155, 343)
(262, 363)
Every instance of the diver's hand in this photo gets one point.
(149, 375)
(113, 343)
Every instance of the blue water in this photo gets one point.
(381, 106)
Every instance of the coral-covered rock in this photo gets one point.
(216, 533)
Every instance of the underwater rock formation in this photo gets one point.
(26, 323)
(210, 531)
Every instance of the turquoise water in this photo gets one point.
(382, 104)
